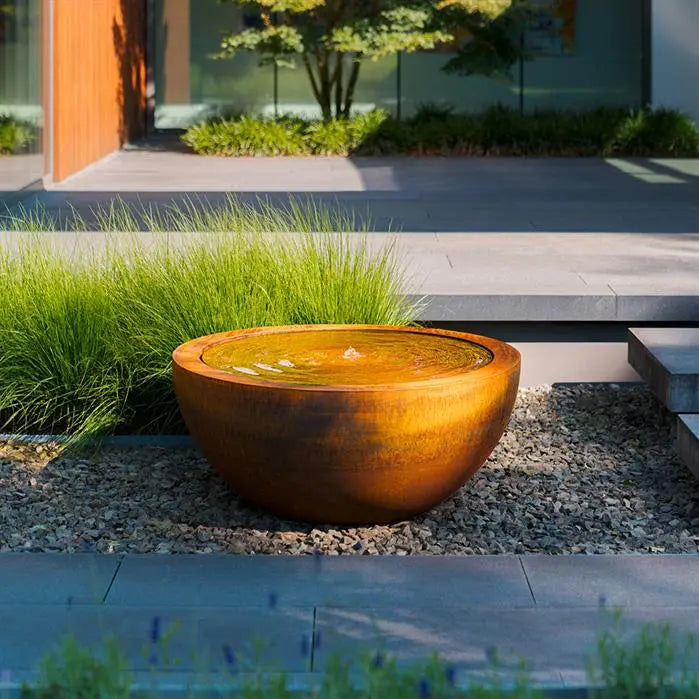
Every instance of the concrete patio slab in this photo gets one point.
(30, 631)
(56, 578)
(668, 361)
(342, 581)
(625, 580)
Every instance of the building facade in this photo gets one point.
(86, 76)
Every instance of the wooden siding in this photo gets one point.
(99, 79)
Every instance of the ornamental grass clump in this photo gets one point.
(86, 335)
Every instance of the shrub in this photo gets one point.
(661, 132)
(246, 135)
(86, 339)
(436, 129)
(15, 136)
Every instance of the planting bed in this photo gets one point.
(581, 469)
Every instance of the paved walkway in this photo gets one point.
(425, 194)
(545, 609)
(502, 239)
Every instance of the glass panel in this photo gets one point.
(21, 110)
(597, 60)
(589, 54)
(190, 84)
(425, 82)
(376, 89)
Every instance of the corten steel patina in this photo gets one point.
(361, 453)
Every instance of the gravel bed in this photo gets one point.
(581, 469)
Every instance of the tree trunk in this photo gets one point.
(351, 85)
(338, 84)
(322, 98)
(325, 85)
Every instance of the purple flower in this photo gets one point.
(229, 655)
(155, 629)
(305, 646)
(491, 653)
(450, 674)
(425, 689)
(377, 662)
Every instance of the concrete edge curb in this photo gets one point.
(166, 441)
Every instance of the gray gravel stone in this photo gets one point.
(581, 469)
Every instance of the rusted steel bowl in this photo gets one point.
(346, 423)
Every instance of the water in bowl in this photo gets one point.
(346, 357)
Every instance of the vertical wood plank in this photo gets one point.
(99, 79)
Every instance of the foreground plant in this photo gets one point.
(654, 664)
(86, 336)
(77, 672)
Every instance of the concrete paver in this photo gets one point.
(626, 580)
(342, 581)
(46, 579)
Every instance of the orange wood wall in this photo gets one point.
(99, 78)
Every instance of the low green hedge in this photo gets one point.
(438, 131)
(15, 135)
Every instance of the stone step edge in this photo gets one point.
(688, 441)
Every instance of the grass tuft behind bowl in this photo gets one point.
(86, 336)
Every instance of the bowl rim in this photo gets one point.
(188, 357)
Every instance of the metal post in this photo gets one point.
(399, 84)
(150, 67)
(521, 72)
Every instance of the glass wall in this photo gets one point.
(21, 109)
(586, 53)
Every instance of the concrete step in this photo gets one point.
(688, 441)
(668, 361)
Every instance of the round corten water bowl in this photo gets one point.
(346, 423)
